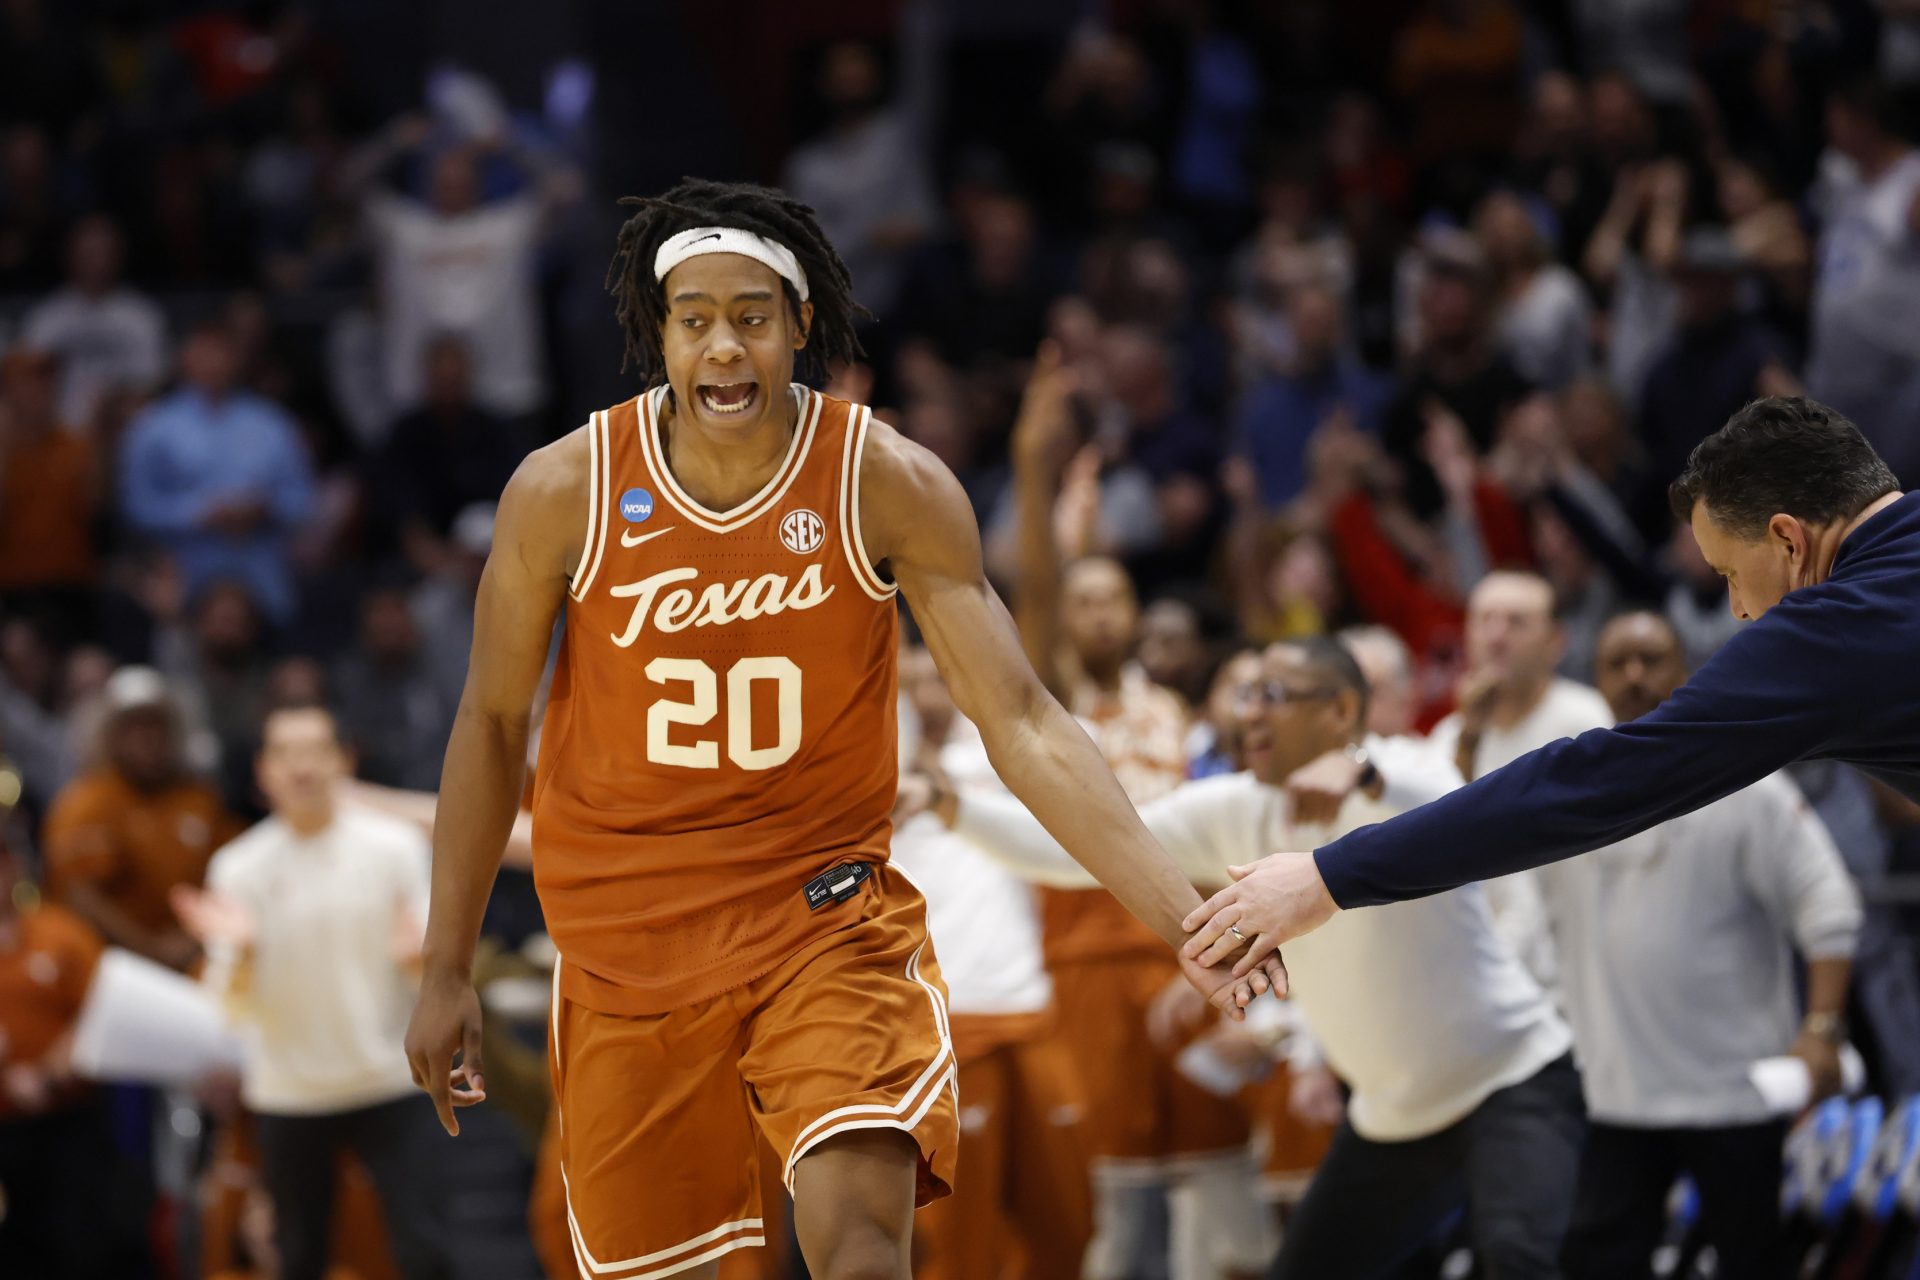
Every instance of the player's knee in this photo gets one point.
(853, 1206)
(865, 1251)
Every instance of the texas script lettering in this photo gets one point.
(718, 604)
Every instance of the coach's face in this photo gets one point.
(729, 341)
(1759, 571)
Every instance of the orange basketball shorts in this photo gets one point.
(661, 1116)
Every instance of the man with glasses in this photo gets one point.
(1463, 1082)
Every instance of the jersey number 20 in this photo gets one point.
(701, 707)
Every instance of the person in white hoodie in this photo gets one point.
(1676, 949)
(1463, 1081)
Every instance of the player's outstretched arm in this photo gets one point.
(521, 592)
(917, 520)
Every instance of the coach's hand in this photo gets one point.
(1272, 901)
(446, 1021)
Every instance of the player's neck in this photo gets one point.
(720, 469)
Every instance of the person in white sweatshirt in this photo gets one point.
(1676, 951)
(1463, 1082)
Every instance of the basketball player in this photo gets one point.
(717, 767)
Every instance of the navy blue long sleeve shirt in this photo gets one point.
(1831, 672)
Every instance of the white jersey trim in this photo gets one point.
(760, 503)
(746, 1233)
(851, 540)
(599, 503)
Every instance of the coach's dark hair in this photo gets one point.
(1333, 662)
(640, 301)
(1781, 454)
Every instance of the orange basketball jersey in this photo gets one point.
(721, 727)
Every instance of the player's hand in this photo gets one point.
(1232, 993)
(1270, 902)
(446, 1021)
(1176, 1013)
(1317, 789)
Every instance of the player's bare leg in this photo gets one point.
(853, 1205)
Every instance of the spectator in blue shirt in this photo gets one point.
(219, 477)
(1281, 413)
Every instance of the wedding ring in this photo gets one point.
(1244, 939)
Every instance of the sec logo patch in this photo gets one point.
(802, 531)
(636, 505)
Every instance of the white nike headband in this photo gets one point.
(698, 240)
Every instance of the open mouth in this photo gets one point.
(728, 398)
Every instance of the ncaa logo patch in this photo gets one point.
(803, 532)
(636, 505)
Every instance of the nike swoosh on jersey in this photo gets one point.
(629, 539)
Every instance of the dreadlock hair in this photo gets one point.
(640, 301)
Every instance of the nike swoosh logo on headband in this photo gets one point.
(704, 239)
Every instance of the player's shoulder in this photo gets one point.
(549, 490)
(888, 455)
(905, 490)
(554, 469)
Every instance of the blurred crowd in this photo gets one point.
(1307, 316)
